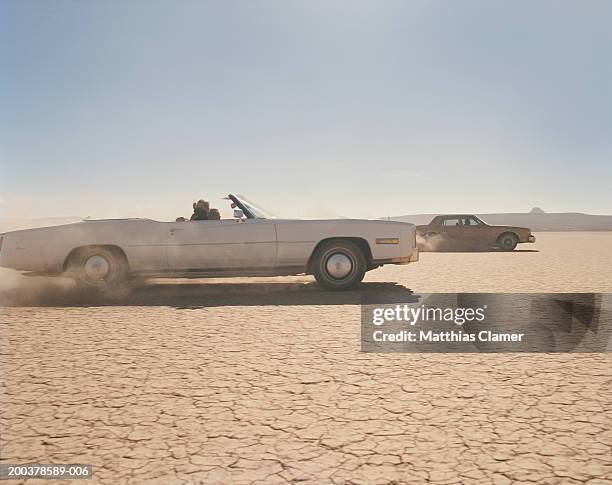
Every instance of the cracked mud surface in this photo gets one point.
(255, 383)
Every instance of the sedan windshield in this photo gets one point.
(254, 209)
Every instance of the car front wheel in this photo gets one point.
(508, 241)
(339, 265)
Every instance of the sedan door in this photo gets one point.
(451, 228)
(224, 244)
(474, 232)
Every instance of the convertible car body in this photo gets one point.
(105, 253)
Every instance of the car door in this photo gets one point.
(473, 230)
(451, 228)
(143, 240)
(221, 244)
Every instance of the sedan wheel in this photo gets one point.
(339, 265)
(507, 241)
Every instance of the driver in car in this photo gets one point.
(200, 210)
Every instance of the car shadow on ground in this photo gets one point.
(482, 250)
(204, 295)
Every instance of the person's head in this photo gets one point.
(201, 205)
(214, 214)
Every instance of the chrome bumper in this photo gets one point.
(413, 258)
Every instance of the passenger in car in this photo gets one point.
(214, 215)
(200, 210)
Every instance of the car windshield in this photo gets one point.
(254, 208)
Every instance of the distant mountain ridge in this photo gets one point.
(536, 220)
(14, 224)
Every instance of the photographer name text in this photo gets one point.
(410, 316)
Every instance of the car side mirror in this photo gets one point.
(238, 213)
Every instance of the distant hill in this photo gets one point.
(536, 220)
(15, 224)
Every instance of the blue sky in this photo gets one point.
(136, 108)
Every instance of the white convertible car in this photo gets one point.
(106, 253)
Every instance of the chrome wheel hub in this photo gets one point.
(338, 266)
(97, 268)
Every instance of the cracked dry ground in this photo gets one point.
(232, 391)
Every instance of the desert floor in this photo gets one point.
(262, 381)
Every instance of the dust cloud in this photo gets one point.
(431, 243)
(18, 290)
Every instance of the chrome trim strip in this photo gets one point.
(204, 244)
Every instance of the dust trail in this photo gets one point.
(431, 243)
(19, 290)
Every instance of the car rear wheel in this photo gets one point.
(507, 241)
(98, 268)
(339, 265)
